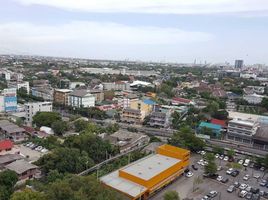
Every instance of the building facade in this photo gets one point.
(159, 119)
(10, 99)
(61, 96)
(81, 99)
(241, 131)
(116, 86)
(32, 108)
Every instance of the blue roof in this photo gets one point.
(210, 125)
(149, 102)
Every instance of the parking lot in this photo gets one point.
(196, 187)
(31, 154)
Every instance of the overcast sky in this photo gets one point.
(150, 30)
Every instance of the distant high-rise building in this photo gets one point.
(239, 64)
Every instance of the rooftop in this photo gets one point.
(80, 93)
(150, 166)
(242, 122)
(20, 166)
(5, 144)
(63, 90)
(10, 158)
(210, 125)
(149, 102)
(128, 187)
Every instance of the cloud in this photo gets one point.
(27, 37)
(156, 6)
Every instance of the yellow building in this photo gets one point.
(145, 106)
(146, 176)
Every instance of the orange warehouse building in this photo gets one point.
(146, 176)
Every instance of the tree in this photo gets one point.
(64, 160)
(211, 167)
(221, 114)
(218, 150)
(28, 195)
(59, 127)
(231, 153)
(80, 188)
(8, 179)
(80, 125)
(176, 120)
(45, 118)
(171, 195)
(264, 103)
(186, 138)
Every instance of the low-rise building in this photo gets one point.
(260, 139)
(127, 140)
(5, 146)
(98, 94)
(130, 115)
(159, 119)
(241, 131)
(32, 108)
(61, 96)
(12, 131)
(81, 99)
(148, 175)
(9, 158)
(215, 128)
(43, 92)
(253, 98)
(120, 85)
(23, 169)
(181, 101)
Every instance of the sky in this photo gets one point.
(212, 31)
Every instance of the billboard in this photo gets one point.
(10, 99)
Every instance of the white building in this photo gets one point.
(32, 108)
(81, 98)
(19, 85)
(241, 130)
(253, 98)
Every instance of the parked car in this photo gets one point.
(221, 157)
(255, 190)
(202, 153)
(236, 184)
(243, 186)
(243, 193)
(194, 167)
(229, 171)
(246, 177)
(249, 195)
(235, 173)
(241, 162)
(212, 194)
(189, 174)
(231, 188)
(226, 158)
(224, 180)
(219, 168)
(263, 183)
(262, 169)
(248, 189)
(219, 178)
(257, 176)
(205, 198)
(213, 176)
(256, 197)
(246, 163)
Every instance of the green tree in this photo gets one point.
(59, 127)
(45, 118)
(80, 125)
(231, 153)
(186, 138)
(28, 195)
(211, 167)
(8, 179)
(176, 120)
(64, 160)
(171, 195)
(218, 150)
(264, 103)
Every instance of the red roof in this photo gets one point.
(218, 122)
(181, 100)
(5, 144)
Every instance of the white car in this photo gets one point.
(225, 158)
(243, 186)
(39, 148)
(200, 162)
(243, 193)
(246, 177)
(217, 156)
(44, 150)
(219, 168)
(257, 176)
(219, 178)
(241, 162)
(229, 171)
(202, 153)
(221, 157)
(189, 174)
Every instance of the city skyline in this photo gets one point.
(170, 31)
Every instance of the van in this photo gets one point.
(246, 163)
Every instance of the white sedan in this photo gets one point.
(189, 174)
